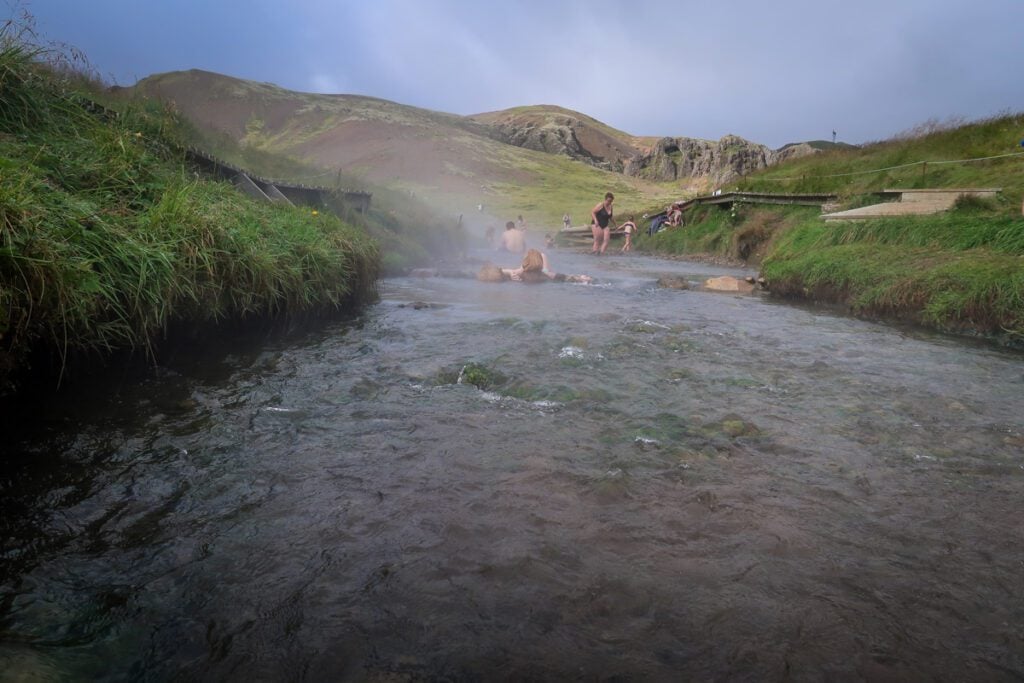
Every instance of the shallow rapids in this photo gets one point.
(502, 481)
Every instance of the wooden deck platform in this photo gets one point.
(912, 203)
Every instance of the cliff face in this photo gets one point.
(715, 162)
(708, 162)
(553, 137)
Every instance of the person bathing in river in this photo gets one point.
(534, 268)
(630, 229)
(512, 240)
(600, 225)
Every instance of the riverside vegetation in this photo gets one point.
(961, 271)
(108, 239)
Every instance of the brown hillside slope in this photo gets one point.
(455, 163)
(492, 158)
(384, 141)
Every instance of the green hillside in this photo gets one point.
(970, 155)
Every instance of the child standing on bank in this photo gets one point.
(630, 227)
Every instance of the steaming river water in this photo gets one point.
(661, 485)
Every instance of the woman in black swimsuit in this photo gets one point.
(601, 224)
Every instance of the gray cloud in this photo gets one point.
(771, 72)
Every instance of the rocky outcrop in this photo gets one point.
(673, 282)
(561, 135)
(557, 131)
(554, 137)
(794, 151)
(718, 162)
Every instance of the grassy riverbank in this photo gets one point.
(107, 239)
(960, 271)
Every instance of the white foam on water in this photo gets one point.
(571, 352)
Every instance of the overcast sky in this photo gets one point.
(772, 72)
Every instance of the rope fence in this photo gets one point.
(892, 168)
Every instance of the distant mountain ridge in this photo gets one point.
(403, 145)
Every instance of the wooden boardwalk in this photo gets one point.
(264, 189)
(268, 190)
(730, 198)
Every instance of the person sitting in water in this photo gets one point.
(512, 240)
(533, 269)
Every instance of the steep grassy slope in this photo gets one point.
(963, 271)
(897, 163)
(106, 239)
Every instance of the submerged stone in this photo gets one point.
(733, 426)
(728, 283)
(491, 273)
(671, 282)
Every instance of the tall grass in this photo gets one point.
(954, 231)
(959, 271)
(742, 232)
(105, 239)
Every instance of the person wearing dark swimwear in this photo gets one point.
(601, 224)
